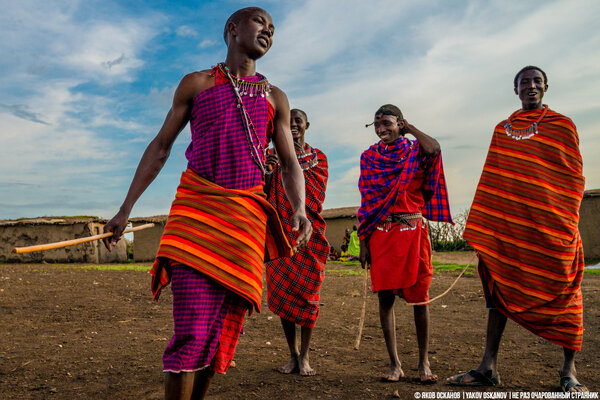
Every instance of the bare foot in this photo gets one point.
(290, 367)
(304, 367)
(393, 375)
(426, 375)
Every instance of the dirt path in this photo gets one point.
(68, 333)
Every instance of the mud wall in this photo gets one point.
(334, 232)
(145, 242)
(21, 235)
(589, 224)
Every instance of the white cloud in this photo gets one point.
(450, 72)
(186, 31)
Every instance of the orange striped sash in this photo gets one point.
(523, 224)
(226, 234)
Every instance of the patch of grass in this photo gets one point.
(441, 267)
(344, 272)
(110, 267)
(591, 271)
(348, 263)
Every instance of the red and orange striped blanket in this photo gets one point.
(523, 224)
(226, 234)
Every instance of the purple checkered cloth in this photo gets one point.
(219, 150)
(199, 308)
(386, 171)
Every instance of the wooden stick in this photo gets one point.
(361, 324)
(424, 303)
(65, 243)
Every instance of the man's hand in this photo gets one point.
(365, 255)
(301, 224)
(116, 225)
(271, 161)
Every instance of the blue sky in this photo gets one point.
(85, 86)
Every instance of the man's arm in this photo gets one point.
(158, 150)
(291, 173)
(428, 145)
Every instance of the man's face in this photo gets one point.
(387, 127)
(530, 89)
(298, 124)
(254, 33)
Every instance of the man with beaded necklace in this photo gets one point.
(219, 223)
(523, 225)
(401, 181)
(294, 283)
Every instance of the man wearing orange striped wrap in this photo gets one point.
(220, 228)
(523, 225)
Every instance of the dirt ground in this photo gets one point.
(68, 333)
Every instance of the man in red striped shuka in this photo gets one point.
(401, 181)
(221, 228)
(523, 225)
(294, 283)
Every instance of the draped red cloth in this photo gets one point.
(294, 283)
(401, 257)
(523, 224)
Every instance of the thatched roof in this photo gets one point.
(342, 212)
(157, 219)
(82, 219)
(592, 193)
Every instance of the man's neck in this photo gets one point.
(531, 107)
(240, 65)
(300, 142)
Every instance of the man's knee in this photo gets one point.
(386, 298)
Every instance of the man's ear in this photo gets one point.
(232, 29)
(307, 124)
(400, 123)
(516, 91)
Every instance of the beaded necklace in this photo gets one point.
(313, 161)
(255, 146)
(261, 88)
(525, 133)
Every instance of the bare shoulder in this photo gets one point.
(278, 99)
(195, 82)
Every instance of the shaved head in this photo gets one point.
(390, 109)
(238, 16)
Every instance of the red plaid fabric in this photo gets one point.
(219, 149)
(294, 283)
(386, 171)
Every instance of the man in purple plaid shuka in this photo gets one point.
(233, 112)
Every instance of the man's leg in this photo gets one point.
(289, 328)
(202, 382)
(303, 364)
(422, 326)
(568, 371)
(488, 367)
(179, 386)
(388, 325)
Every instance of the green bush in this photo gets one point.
(448, 237)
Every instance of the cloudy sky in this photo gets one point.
(85, 86)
